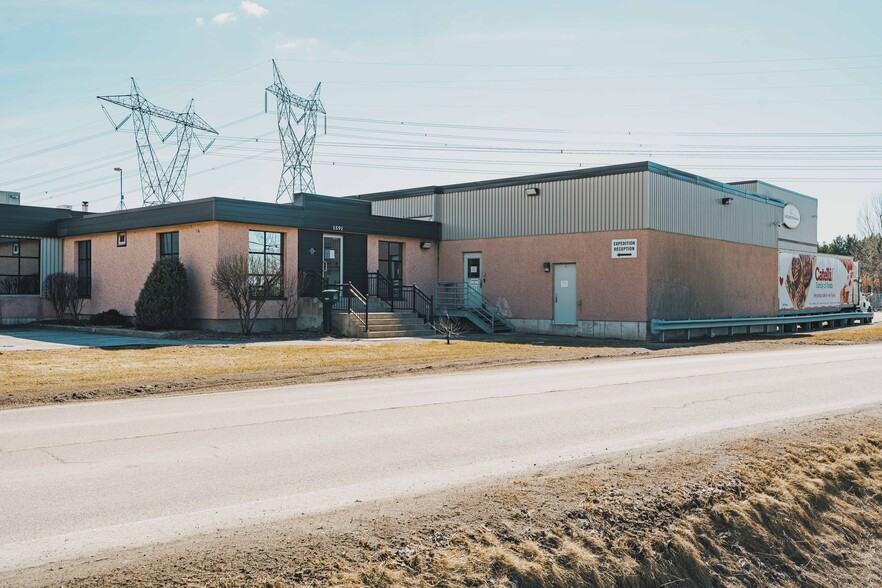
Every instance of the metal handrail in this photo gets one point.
(382, 288)
(353, 302)
(315, 283)
(423, 304)
(401, 297)
(461, 296)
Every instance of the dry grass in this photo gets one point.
(800, 509)
(861, 334)
(784, 521)
(39, 377)
(33, 377)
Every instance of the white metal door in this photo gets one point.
(473, 275)
(565, 293)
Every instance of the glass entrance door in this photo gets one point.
(332, 258)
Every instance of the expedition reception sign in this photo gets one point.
(810, 281)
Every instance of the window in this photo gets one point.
(84, 269)
(391, 258)
(19, 266)
(265, 261)
(168, 245)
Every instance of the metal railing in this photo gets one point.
(352, 302)
(711, 326)
(462, 299)
(312, 283)
(400, 297)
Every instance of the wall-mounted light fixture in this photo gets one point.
(727, 200)
(532, 191)
(425, 244)
(546, 267)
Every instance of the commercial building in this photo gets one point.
(602, 252)
(594, 252)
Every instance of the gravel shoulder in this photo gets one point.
(790, 504)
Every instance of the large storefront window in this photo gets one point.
(265, 262)
(19, 266)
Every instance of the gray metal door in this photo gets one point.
(565, 293)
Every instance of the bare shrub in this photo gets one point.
(294, 284)
(449, 327)
(62, 291)
(247, 284)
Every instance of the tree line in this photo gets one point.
(865, 246)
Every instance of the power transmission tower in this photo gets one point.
(296, 150)
(160, 184)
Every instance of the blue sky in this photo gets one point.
(432, 93)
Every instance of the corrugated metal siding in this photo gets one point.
(50, 258)
(805, 236)
(677, 206)
(604, 203)
(409, 207)
(749, 186)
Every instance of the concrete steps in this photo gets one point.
(397, 324)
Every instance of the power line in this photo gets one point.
(583, 65)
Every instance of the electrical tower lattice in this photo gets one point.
(160, 183)
(297, 150)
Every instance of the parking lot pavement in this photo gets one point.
(43, 339)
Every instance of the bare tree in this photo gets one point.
(869, 250)
(248, 285)
(449, 327)
(294, 284)
(63, 292)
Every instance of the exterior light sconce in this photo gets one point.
(546, 267)
(425, 244)
(532, 191)
(727, 200)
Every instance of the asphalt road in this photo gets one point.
(81, 478)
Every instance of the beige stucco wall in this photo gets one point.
(420, 265)
(609, 289)
(232, 239)
(694, 277)
(118, 273)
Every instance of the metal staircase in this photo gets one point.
(459, 299)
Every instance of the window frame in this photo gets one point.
(84, 282)
(384, 257)
(17, 253)
(258, 249)
(175, 239)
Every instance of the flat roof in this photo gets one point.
(608, 170)
(33, 221)
(775, 186)
(309, 211)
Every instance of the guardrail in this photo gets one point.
(783, 323)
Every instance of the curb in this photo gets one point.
(118, 331)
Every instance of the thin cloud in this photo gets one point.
(253, 8)
(223, 18)
(200, 21)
